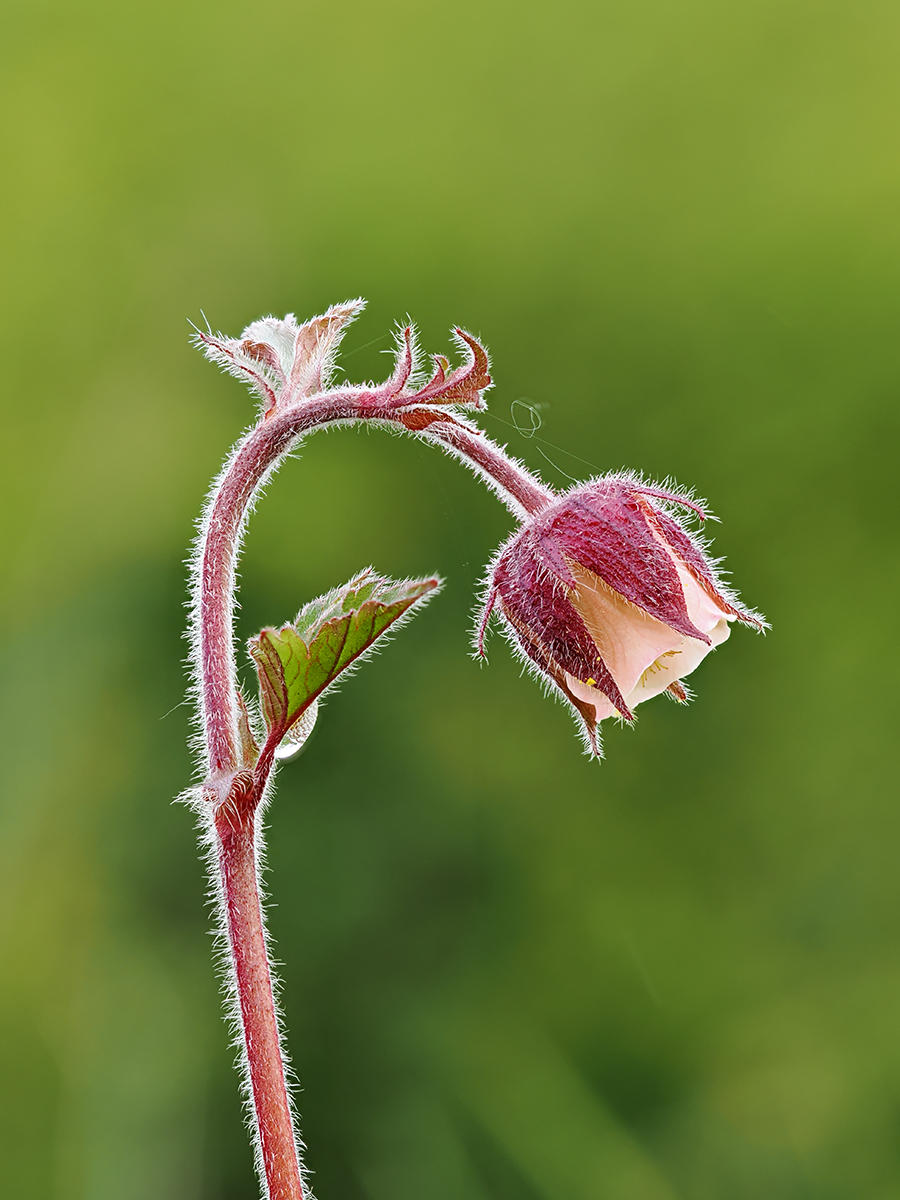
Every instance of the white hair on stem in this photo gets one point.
(225, 969)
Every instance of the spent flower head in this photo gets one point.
(281, 360)
(283, 363)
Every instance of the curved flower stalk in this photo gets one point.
(602, 590)
(288, 366)
(281, 369)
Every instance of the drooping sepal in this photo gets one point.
(603, 526)
(549, 629)
(698, 563)
(299, 662)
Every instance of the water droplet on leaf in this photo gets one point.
(295, 738)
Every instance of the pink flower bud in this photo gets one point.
(610, 598)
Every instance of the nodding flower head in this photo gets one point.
(281, 360)
(610, 598)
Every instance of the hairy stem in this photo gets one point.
(524, 494)
(237, 774)
(236, 850)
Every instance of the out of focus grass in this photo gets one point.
(510, 973)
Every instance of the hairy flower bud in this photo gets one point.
(610, 598)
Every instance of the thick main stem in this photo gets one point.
(236, 849)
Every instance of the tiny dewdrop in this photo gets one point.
(293, 742)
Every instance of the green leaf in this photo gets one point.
(298, 662)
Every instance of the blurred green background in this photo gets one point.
(510, 973)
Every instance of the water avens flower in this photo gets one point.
(610, 599)
(603, 589)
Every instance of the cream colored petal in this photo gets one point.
(627, 639)
(642, 654)
(591, 696)
(675, 664)
(703, 611)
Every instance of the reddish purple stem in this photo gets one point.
(236, 784)
(236, 845)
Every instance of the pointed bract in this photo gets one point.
(467, 384)
(316, 345)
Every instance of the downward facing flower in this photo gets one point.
(610, 598)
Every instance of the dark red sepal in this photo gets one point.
(603, 526)
(700, 567)
(548, 628)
